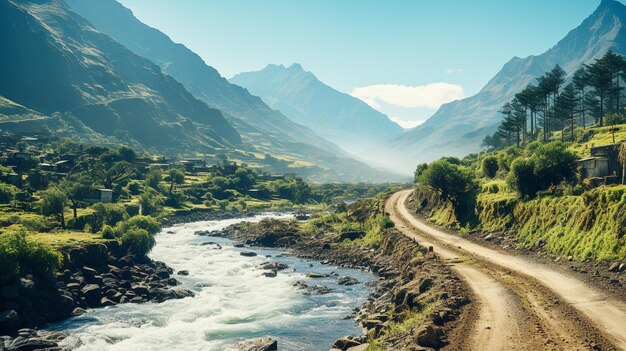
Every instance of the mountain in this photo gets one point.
(267, 130)
(54, 61)
(336, 116)
(458, 128)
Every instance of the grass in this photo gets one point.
(64, 238)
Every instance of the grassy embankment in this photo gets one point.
(579, 219)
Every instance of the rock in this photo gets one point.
(430, 336)
(361, 347)
(262, 344)
(183, 272)
(269, 274)
(9, 320)
(489, 237)
(347, 281)
(105, 301)
(614, 267)
(315, 275)
(30, 344)
(425, 285)
(89, 272)
(140, 289)
(622, 267)
(78, 312)
(248, 253)
(92, 294)
(345, 343)
(274, 266)
(326, 246)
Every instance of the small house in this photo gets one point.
(194, 164)
(99, 195)
(602, 163)
(63, 166)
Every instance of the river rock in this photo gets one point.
(28, 344)
(78, 312)
(361, 347)
(315, 275)
(345, 343)
(270, 274)
(184, 272)
(262, 344)
(92, 294)
(248, 253)
(347, 281)
(274, 266)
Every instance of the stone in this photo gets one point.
(614, 267)
(315, 275)
(29, 344)
(347, 281)
(361, 347)
(345, 343)
(262, 344)
(78, 312)
(92, 294)
(89, 272)
(274, 266)
(430, 336)
(622, 267)
(105, 301)
(269, 274)
(425, 285)
(248, 253)
(140, 290)
(183, 272)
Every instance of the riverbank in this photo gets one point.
(416, 300)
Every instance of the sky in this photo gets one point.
(403, 57)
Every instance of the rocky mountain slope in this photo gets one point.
(338, 117)
(264, 129)
(458, 128)
(54, 61)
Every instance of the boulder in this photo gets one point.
(183, 272)
(269, 274)
(140, 289)
(274, 266)
(430, 336)
(361, 347)
(262, 344)
(347, 281)
(92, 294)
(345, 343)
(248, 253)
(105, 301)
(29, 344)
(78, 312)
(315, 275)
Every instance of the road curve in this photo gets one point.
(607, 314)
(499, 322)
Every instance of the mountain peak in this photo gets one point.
(296, 67)
(610, 5)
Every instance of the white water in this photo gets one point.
(233, 302)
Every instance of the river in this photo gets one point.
(233, 301)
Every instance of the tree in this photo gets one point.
(565, 108)
(580, 81)
(175, 176)
(489, 166)
(75, 191)
(153, 178)
(622, 160)
(52, 203)
(600, 78)
(451, 180)
(421, 168)
(521, 177)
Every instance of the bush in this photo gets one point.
(150, 202)
(137, 241)
(109, 214)
(153, 178)
(149, 224)
(450, 179)
(134, 187)
(20, 256)
(7, 193)
(553, 164)
(490, 166)
(521, 177)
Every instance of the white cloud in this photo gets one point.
(406, 124)
(430, 96)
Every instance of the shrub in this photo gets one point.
(150, 202)
(521, 177)
(20, 256)
(7, 193)
(149, 224)
(553, 164)
(153, 178)
(450, 179)
(137, 241)
(490, 166)
(109, 214)
(134, 187)
(53, 202)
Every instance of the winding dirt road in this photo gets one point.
(521, 304)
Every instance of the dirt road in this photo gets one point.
(522, 304)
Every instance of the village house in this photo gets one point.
(603, 163)
(194, 164)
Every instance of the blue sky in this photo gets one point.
(404, 57)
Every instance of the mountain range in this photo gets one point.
(120, 80)
(458, 127)
(266, 128)
(336, 116)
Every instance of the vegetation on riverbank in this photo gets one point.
(535, 194)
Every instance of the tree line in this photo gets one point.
(556, 102)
